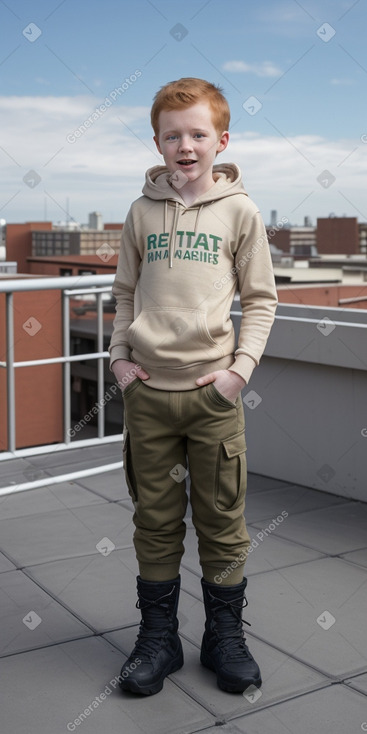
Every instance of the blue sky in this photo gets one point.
(301, 65)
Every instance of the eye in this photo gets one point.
(171, 137)
(199, 135)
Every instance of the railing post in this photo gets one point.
(66, 368)
(10, 372)
(100, 379)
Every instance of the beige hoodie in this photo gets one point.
(178, 270)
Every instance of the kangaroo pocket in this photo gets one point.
(172, 337)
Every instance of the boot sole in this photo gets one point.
(230, 687)
(149, 690)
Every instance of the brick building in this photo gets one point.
(337, 236)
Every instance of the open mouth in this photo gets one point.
(186, 163)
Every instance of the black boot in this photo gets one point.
(223, 648)
(158, 649)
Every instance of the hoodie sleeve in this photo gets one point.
(258, 296)
(123, 289)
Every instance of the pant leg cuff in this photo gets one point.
(225, 576)
(159, 572)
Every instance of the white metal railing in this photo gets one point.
(95, 285)
(296, 328)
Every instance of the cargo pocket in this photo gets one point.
(231, 472)
(128, 468)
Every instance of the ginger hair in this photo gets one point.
(187, 92)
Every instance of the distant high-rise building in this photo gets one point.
(307, 221)
(95, 220)
(273, 217)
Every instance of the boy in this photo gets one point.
(187, 244)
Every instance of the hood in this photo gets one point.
(157, 186)
(227, 178)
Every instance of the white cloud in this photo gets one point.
(263, 69)
(343, 82)
(104, 169)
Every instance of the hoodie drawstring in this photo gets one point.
(165, 215)
(173, 233)
(174, 226)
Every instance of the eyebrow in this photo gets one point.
(194, 129)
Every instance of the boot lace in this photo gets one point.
(149, 640)
(227, 627)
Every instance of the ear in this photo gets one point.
(155, 138)
(223, 141)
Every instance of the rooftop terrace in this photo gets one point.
(67, 577)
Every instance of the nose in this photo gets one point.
(185, 143)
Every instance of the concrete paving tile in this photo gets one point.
(282, 677)
(81, 465)
(12, 466)
(190, 582)
(190, 558)
(359, 683)
(293, 500)
(30, 618)
(259, 483)
(105, 452)
(46, 499)
(334, 530)
(111, 485)
(270, 552)
(29, 474)
(77, 682)
(65, 533)
(101, 590)
(314, 611)
(336, 710)
(5, 564)
(359, 557)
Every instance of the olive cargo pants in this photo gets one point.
(161, 431)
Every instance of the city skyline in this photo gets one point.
(77, 85)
